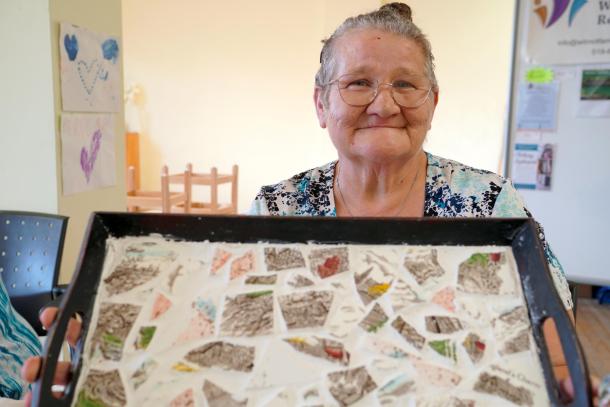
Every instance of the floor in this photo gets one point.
(593, 328)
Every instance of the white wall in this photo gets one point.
(234, 85)
(472, 43)
(27, 130)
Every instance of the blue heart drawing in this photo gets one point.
(71, 45)
(110, 48)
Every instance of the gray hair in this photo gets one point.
(393, 18)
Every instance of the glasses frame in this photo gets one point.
(379, 84)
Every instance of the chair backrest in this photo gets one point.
(31, 246)
(213, 179)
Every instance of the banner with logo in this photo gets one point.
(568, 31)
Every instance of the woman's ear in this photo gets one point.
(318, 99)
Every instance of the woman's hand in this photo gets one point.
(31, 368)
(567, 388)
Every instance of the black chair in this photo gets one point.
(31, 246)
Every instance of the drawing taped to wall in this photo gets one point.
(87, 152)
(89, 70)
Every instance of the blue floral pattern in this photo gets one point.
(452, 190)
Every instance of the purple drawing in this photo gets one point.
(87, 158)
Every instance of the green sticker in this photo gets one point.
(539, 75)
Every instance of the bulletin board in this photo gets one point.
(570, 200)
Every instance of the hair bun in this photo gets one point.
(401, 9)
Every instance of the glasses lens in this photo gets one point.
(357, 91)
(410, 97)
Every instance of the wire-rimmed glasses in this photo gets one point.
(357, 90)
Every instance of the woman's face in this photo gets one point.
(382, 130)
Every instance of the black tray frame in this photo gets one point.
(520, 233)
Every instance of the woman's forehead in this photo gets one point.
(364, 51)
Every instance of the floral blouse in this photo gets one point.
(18, 341)
(452, 190)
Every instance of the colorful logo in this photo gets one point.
(559, 9)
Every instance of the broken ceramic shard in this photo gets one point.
(474, 346)
(102, 389)
(299, 281)
(262, 280)
(374, 320)
(278, 259)
(349, 386)
(248, 314)
(444, 347)
(218, 397)
(242, 265)
(328, 262)
(220, 259)
(443, 325)
(184, 399)
(328, 349)
(479, 274)
(160, 306)
(129, 274)
(409, 333)
(223, 355)
(495, 385)
(141, 375)
(113, 326)
(306, 310)
(423, 265)
(145, 335)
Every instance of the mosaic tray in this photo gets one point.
(245, 311)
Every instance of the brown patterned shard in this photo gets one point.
(113, 326)
(443, 325)
(328, 262)
(278, 259)
(474, 347)
(349, 386)
(328, 349)
(423, 265)
(519, 343)
(102, 389)
(370, 289)
(128, 275)
(374, 320)
(306, 310)
(299, 281)
(479, 274)
(224, 355)
(409, 333)
(248, 314)
(263, 280)
(142, 373)
(218, 397)
(495, 385)
(515, 316)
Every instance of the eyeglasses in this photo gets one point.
(358, 91)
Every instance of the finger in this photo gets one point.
(595, 382)
(74, 331)
(566, 388)
(31, 369)
(27, 400)
(47, 317)
(62, 373)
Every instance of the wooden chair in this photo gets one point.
(213, 180)
(165, 200)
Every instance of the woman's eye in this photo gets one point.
(359, 83)
(403, 85)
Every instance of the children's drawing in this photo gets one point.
(87, 152)
(90, 70)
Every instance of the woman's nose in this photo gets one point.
(383, 104)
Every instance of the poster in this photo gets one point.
(532, 166)
(89, 70)
(87, 152)
(537, 106)
(594, 93)
(568, 31)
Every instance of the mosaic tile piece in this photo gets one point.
(278, 259)
(242, 265)
(160, 306)
(299, 281)
(129, 274)
(479, 273)
(349, 386)
(423, 265)
(445, 298)
(113, 326)
(262, 280)
(141, 375)
(223, 355)
(221, 257)
(443, 325)
(248, 314)
(102, 389)
(409, 333)
(184, 399)
(497, 386)
(328, 262)
(374, 320)
(145, 335)
(216, 396)
(444, 347)
(306, 310)
(474, 346)
(328, 349)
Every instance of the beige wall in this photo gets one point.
(223, 86)
(100, 16)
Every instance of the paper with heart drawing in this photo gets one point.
(87, 152)
(90, 70)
